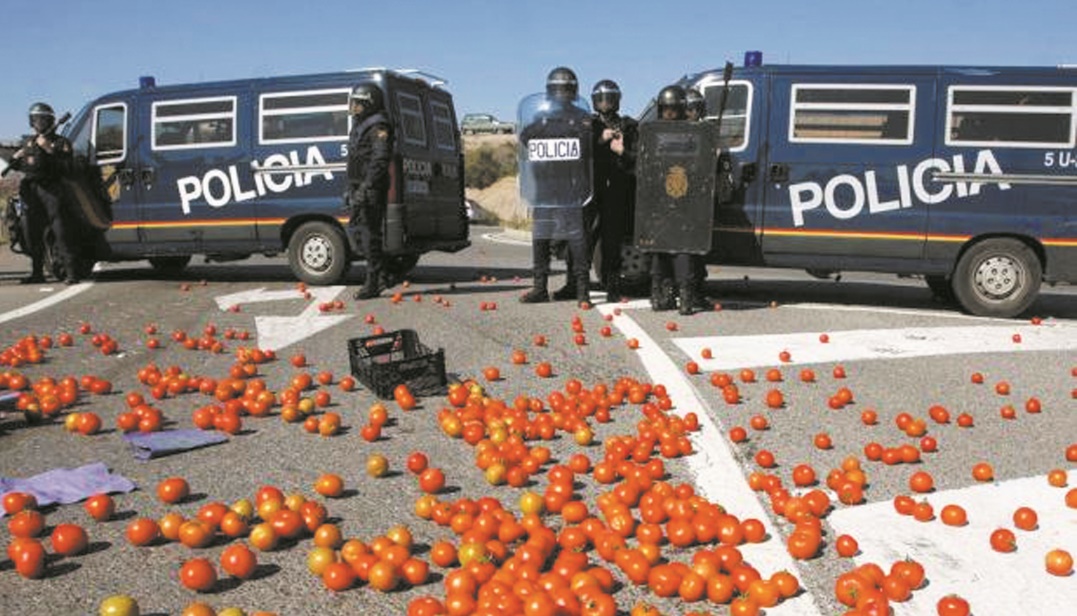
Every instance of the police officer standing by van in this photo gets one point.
(695, 111)
(555, 179)
(370, 151)
(44, 160)
(615, 138)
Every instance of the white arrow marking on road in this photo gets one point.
(276, 332)
(718, 474)
(861, 344)
(250, 296)
(960, 559)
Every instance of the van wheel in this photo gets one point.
(997, 278)
(170, 266)
(635, 268)
(318, 253)
(941, 287)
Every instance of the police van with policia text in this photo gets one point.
(257, 166)
(966, 176)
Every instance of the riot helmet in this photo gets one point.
(41, 116)
(606, 96)
(695, 104)
(561, 84)
(369, 96)
(672, 98)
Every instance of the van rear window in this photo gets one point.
(1027, 117)
(194, 123)
(320, 115)
(852, 113)
(411, 118)
(444, 135)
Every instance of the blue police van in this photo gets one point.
(966, 176)
(257, 166)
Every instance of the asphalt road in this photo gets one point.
(926, 356)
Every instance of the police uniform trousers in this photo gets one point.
(44, 201)
(365, 224)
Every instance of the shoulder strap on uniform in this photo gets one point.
(365, 125)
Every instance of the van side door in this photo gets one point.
(104, 140)
(194, 174)
(843, 148)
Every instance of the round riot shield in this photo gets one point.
(555, 164)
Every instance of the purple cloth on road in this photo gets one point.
(68, 485)
(156, 444)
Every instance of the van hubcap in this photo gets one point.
(998, 277)
(317, 253)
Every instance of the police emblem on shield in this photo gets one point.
(677, 182)
(676, 174)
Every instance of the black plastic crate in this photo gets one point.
(384, 361)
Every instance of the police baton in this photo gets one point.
(6, 166)
(727, 74)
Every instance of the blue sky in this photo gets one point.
(495, 53)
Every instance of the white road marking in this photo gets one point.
(51, 300)
(505, 238)
(865, 344)
(277, 332)
(719, 476)
(960, 559)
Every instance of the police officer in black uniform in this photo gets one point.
(370, 150)
(44, 160)
(562, 89)
(695, 299)
(615, 137)
(672, 105)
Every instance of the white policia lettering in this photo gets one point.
(553, 149)
(219, 187)
(846, 195)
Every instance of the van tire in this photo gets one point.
(398, 266)
(170, 266)
(318, 253)
(998, 277)
(635, 268)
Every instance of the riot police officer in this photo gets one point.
(695, 105)
(615, 137)
(370, 151)
(45, 159)
(671, 104)
(557, 183)
(695, 111)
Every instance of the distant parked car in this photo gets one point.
(474, 123)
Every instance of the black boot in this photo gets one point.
(566, 292)
(35, 278)
(583, 289)
(372, 286)
(538, 293)
(613, 289)
(688, 303)
(663, 294)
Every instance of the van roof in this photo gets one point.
(353, 76)
(869, 69)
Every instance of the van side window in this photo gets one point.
(1017, 117)
(411, 118)
(444, 135)
(195, 123)
(110, 133)
(847, 113)
(733, 133)
(317, 115)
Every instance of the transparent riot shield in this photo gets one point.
(555, 164)
(675, 182)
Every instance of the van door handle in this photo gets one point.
(778, 173)
(126, 177)
(147, 175)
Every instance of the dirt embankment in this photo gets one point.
(501, 200)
